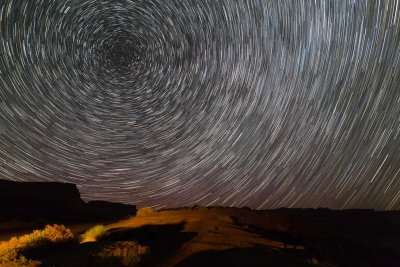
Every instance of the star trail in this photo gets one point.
(172, 103)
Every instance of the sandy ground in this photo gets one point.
(199, 236)
(217, 230)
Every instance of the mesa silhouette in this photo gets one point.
(54, 202)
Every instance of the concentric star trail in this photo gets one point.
(173, 103)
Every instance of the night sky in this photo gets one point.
(172, 103)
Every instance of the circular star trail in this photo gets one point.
(173, 103)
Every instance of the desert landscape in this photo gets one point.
(192, 133)
(111, 234)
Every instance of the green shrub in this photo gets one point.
(11, 252)
(93, 234)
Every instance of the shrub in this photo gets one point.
(146, 211)
(93, 234)
(127, 253)
(11, 251)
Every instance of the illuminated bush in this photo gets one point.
(127, 253)
(146, 211)
(11, 252)
(93, 234)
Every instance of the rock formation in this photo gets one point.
(53, 201)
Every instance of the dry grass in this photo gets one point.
(93, 234)
(11, 251)
(128, 253)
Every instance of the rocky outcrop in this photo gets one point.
(53, 201)
(36, 200)
(104, 210)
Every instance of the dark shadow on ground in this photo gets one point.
(335, 250)
(288, 239)
(162, 240)
(79, 255)
(239, 257)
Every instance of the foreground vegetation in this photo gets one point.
(12, 251)
(93, 234)
(50, 246)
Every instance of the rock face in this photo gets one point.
(104, 210)
(53, 201)
(35, 200)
